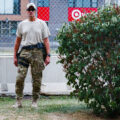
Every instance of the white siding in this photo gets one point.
(6, 6)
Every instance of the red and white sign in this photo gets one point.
(76, 13)
(43, 13)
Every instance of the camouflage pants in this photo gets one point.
(33, 58)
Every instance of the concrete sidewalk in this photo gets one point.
(46, 88)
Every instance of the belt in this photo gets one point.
(23, 61)
(38, 45)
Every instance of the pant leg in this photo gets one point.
(37, 66)
(23, 64)
(36, 83)
(22, 71)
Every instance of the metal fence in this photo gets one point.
(54, 12)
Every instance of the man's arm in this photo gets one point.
(47, 46)
(16, 48)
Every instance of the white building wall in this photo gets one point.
(109, 2)
(119, 2)
(54, 81)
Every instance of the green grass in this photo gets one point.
(49, 108)
(49, 105)
(63, 104)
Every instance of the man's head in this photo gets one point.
(31, 9)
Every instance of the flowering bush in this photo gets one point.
(90, 53)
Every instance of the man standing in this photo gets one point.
(32, 35)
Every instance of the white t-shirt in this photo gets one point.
(32, 32)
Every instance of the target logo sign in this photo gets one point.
(76, 13)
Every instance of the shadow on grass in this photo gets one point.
(63, 108)
(6, 99)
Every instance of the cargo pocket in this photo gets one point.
(37, 62)
(23, 59)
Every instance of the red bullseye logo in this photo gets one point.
(76, 14)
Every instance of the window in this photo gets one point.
(13, 27)
(8, 28)
(4, 28)
(71, 3)
(86, 3)
(94, 3)
(43, 3)
(83, 3)
(16, 9)
(78, 3)
(9, 6)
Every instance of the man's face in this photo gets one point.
(31, 11)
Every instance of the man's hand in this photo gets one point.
(15, 61)
(47, 60)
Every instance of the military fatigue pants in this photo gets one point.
(33, 58)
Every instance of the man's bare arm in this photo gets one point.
(16, 48)
(47, 46)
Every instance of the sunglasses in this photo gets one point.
(30, 9)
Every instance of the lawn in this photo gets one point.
(50, 108)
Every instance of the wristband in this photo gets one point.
(48, 55)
